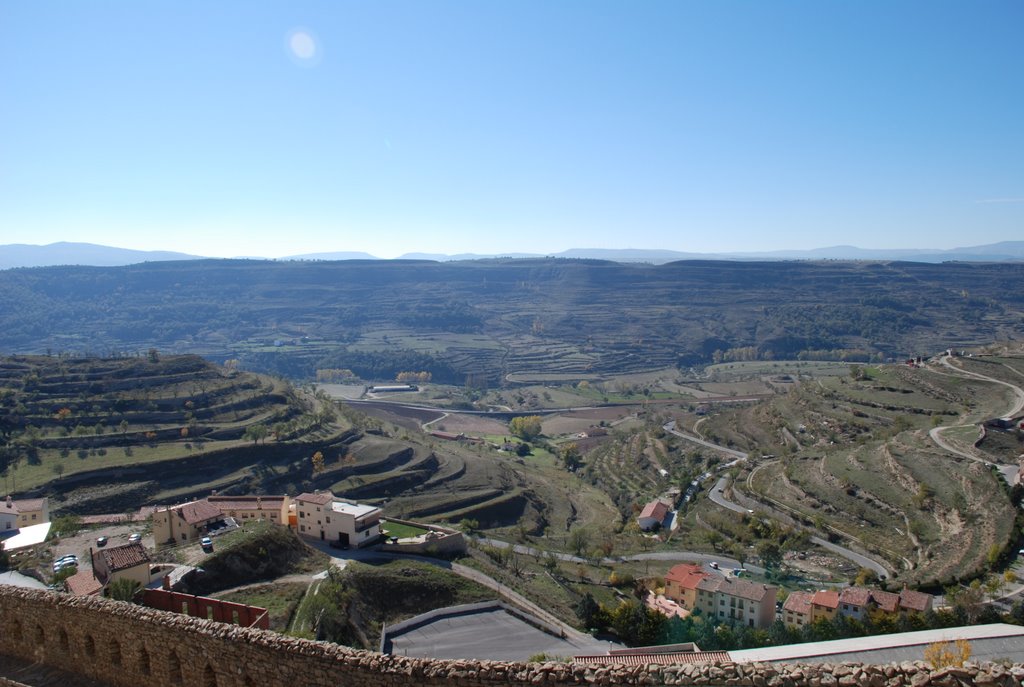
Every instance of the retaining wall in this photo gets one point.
(123, 644)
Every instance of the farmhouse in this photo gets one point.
(323, 516)
(127, 562)
(744, 602)
(22, 513)
(186, 522)
(652, 515)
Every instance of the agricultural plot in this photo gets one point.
(74, 419)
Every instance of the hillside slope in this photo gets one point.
(489, 318)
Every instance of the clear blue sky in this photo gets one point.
(275, 128)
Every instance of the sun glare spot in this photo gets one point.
(302, 46)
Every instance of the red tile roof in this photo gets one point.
(123, 557)
(826, 599)
(83, 583)
(661, 659)
(198, 512)
(743, 589)
(321, 499)
(915, 601)
(798, 602)
(687, 575)
(655, 509)
(887, 601)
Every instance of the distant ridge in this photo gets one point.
(90, 254)
(66, 253)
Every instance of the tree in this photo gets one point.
(123, 589)
(636, 624)
(571, 456)
(770, 553)
(588, 611)
(318, 462)
(256, 433)
(522, 450)
(948, 654)
(578, 541)
(526, 427)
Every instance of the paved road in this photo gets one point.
(1009, 472)
(670, 427)
(685, 556)
(717, 495)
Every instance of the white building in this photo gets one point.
(321, 515)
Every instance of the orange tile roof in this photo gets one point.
(655, 509)
(124, 557)
(660, 659)
(826, 599)
(687, 575)
(320, 499)
(83, 583)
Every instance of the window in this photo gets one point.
(721, 614)
(328, 519)
(33, 516)
(846, 607)
(721, 602)
(302, 528)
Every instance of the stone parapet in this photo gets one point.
(123, 644)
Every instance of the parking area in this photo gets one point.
(491, 634)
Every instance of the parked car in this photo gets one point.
(135, 537)
(101, 541)
(65, 562)
(206, 543)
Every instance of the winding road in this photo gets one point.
(1009, 472)
(717, 496)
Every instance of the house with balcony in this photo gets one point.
(726, 598)
(321, 515)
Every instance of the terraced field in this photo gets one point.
(94, 430)
(852, 455)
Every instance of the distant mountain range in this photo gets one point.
(65, 253)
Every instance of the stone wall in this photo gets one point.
(123, 644)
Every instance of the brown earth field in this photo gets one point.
(473, 425)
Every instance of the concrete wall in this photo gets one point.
(445, 541)
(123, 644)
